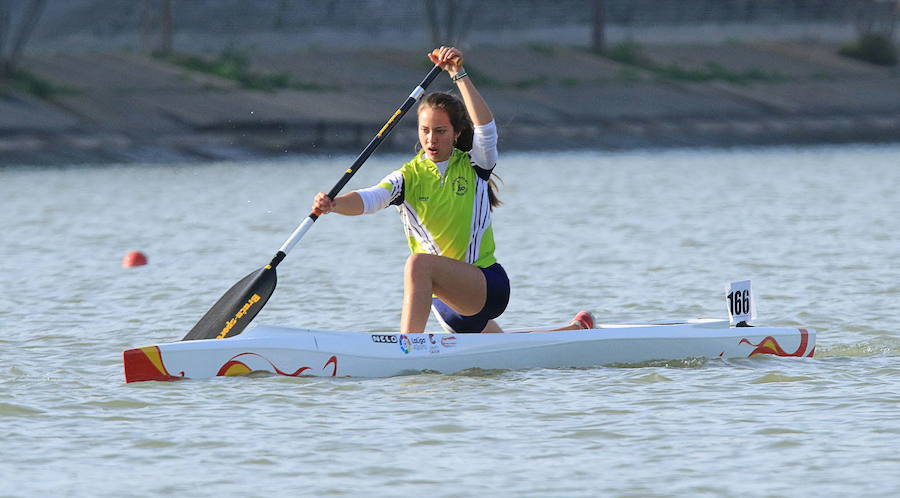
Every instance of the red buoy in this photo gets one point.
(134, 258)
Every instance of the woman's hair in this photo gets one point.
(459, 119)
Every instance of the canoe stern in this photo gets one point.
(146, 363)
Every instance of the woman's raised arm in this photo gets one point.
(450, 59)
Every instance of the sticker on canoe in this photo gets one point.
(421, 344)
(404, 344)
(770, 345)
(235, 367)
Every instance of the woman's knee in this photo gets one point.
(418, 264)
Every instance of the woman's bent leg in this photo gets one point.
(460, 285)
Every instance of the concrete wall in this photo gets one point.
(120, 105)
(272, 25)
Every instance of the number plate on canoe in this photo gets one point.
(741, 304)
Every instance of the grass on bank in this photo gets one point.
(632, 54)
(26, 82)
(486, 81)
(234, 65)
(634, 60)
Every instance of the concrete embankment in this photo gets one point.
(126, 107)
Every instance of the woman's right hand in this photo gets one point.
(449, 58)
(322, 204)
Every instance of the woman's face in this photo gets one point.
(436, 134)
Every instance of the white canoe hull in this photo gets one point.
(301, 352)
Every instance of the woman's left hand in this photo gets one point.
(449, 58)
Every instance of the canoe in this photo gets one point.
(302, 352)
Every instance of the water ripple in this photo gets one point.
(650, 235)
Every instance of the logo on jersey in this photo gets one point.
(460, 186)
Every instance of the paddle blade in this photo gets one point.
(234, 311)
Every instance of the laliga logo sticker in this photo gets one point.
(404, 344)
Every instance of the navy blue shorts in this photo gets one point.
(495, 304)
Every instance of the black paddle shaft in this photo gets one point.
(363, 156)
(385, 131)
(234, 310)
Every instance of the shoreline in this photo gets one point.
(28, 151)
(123, 107)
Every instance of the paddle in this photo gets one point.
(234, 311)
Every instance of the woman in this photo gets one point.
(445, 197)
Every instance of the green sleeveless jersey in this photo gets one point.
(446, 215)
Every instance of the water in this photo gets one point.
(632, 236)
